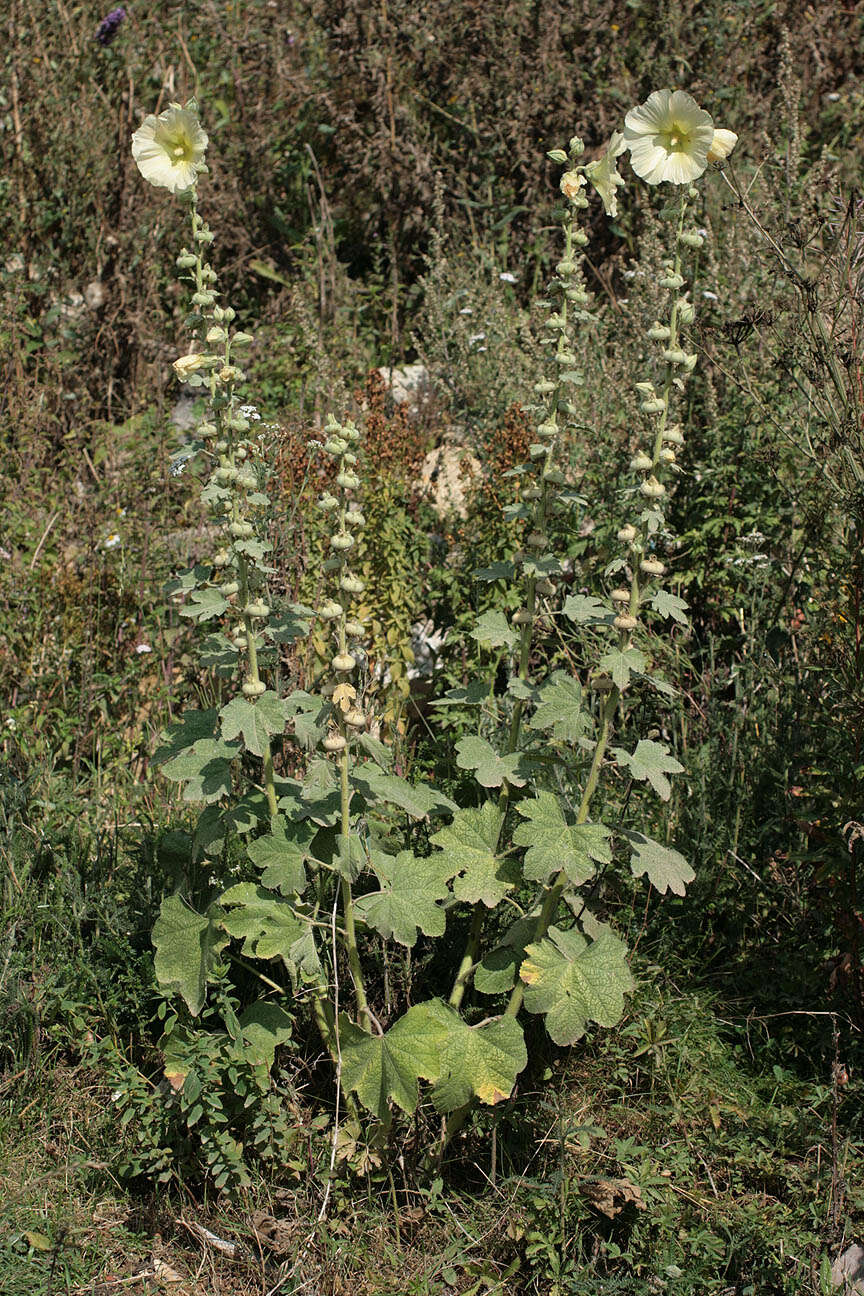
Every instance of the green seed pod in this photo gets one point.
(580, 238)
(532, 493)
(565, 359)
(543, 388)
(653, 489)
(253, 688)
(674, 355)
(351, 584)
(256, 609)
(627, 534)
(335, 742)
(186, 259)
(667, 455)
(357, 520)
(247, 481)
(330, 610)
(335, 446)
(620, 596)
(522, 617)
(229, 588)
(674, 434)
(625, 622)
(355, 718)
(672, 281)
(222, 558)
(240, 453)
(355, 629)
(238, 423)
(351, 433)
(206, 430)
(547, 430)
(686, 311)
(652, 567)
(539, 451)
(691, 240)
(225, 476)
(241, 530)
(216, 334)
(641, 462)
(342, 541)
(205, 298)
(544, 586)
(240, 641)
(242, 339)
(221, 446)
(348, 480)
(349, 458)
(343, 662)
(565, 268)
(659, 332)
(204, 235)
(328, 502)
(655, 406)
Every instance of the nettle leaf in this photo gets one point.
(666, 869)
(476, 1061)
(219, 653)
(411, 888)
(520, 688)
(267, 924)
(492, 631)
(290, 624)
(473, 694)
(257, 721)
(186, 580)
(209, 835)
(264, 1026)
(670, 605)
(282, 854)
(381, 1069)
(548, 565)
(560, 708)
(584, 609)
(249, 812)
(416, 800)
(574, 981)
(496, 571)
(470, 845)
(309, 715)
(184, 733)
(381, 754)
(205, 768)
(554, 843)
(204, 604)
(621, 663)
(497, 972)
(490, 769)
(186, 947)
(651, 761)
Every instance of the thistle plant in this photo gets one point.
(330, 872)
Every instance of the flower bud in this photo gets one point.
(674, 434)
(691, 361)
(238, 423)
(205, 298)
(547, 429)
(253, 688)
(580, 238)
(242, 339)
(671, 281)
(206, 430)
(247, 481)
(543, 388)
(357, 520)
(565, 358)
(641, 462)
(557, 155)
(225, 476)
(349, 458)
(686, 311)
(576, 147)
(565, 268)
(186, 260)
(653, 489)
(652, 567)
(531, 493)
(658, 332)
(343, 662)
(216, 334)
(667, 455)
(240, 642)
(722, 145)
(222, 558)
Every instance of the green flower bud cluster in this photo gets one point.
(653, 462)
(347, 718)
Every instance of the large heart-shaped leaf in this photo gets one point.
(470, 845)
(186, 947)
(573, 982)
(410, 895)
(554, 843)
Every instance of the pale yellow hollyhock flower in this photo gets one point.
(571, 183)
(189, 364)
(169, 149)
(668, 137)
(603, 174)
(722, 145)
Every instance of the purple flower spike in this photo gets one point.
(109, 26)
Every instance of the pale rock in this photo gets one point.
(847, 1272)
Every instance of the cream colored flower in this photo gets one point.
(722, 145)
(668, 137)
(189, 364)
(603, 174)
(169, 149)
(571, 183)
